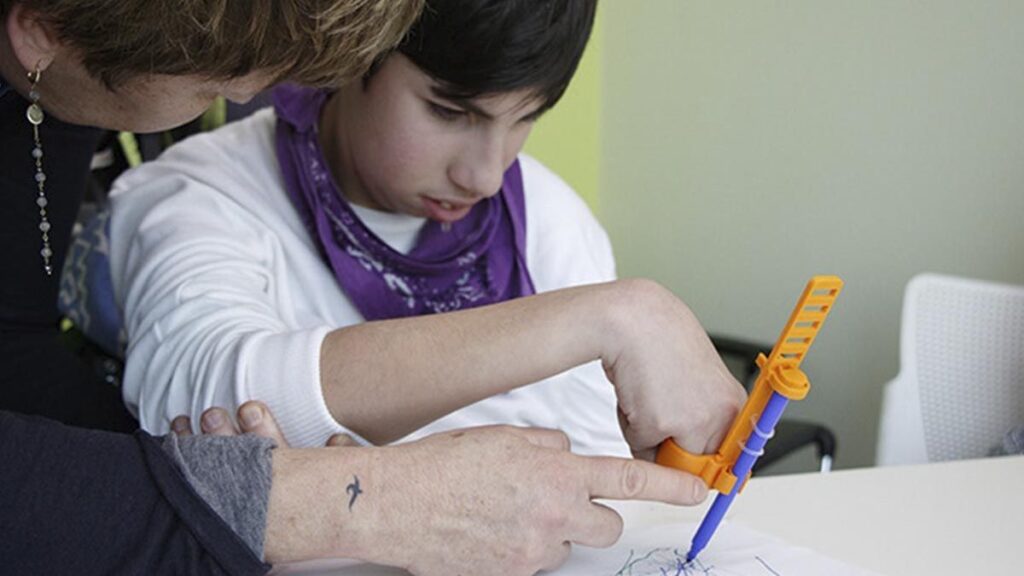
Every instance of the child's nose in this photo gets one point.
(478, 173)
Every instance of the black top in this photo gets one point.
(76, 501)
(38, 373)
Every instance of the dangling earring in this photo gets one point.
(35, 117)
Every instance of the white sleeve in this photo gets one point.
(197, 274)
(566, 246)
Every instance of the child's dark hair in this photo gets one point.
(479, 47)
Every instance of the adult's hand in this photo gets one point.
(669, 379)
(484, 500)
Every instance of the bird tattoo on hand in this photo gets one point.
(354, 490)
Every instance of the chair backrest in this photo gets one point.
(961, 381)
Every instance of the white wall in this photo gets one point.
(750, 145)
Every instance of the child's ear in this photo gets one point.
(32, 38)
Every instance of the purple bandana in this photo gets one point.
(478, 260)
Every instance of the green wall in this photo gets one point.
(738, 148)
(749, 145)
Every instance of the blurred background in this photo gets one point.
(735, 149)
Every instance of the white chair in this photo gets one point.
(961, 381)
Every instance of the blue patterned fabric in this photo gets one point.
(86, 289)
(1013, 442)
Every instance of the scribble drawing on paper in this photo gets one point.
(672, 562)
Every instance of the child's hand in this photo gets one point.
(670, 381)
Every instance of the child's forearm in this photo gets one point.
(386, 379)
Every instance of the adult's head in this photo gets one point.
(147, 65)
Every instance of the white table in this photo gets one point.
(950, 518)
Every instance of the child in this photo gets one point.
(248, 260)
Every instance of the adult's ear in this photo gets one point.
(32, 37)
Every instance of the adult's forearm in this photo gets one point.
(386, 379)
(458, 502)
(85, 490)
(232, 474)
(316, 507)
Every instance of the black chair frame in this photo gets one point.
(790, 434)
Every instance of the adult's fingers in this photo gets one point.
(255, 418)
(626, 479)
(342, 440)
(598, 526)
(543, 437)
(215, 422)
(556, 557)
(182, 426)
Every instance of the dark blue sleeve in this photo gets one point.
(75, 501)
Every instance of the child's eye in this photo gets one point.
(445, 113)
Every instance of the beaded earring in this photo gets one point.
(35, 116)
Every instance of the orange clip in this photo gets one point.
(780, 372)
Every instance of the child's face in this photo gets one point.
(395, 145)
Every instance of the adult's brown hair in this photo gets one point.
(315, 42)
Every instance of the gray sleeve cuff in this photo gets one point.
(232, 474)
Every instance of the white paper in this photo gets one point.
(733, 551)
(656, 551)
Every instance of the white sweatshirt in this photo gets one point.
(225, 297)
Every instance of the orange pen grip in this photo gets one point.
(713, 469)
(780, 373)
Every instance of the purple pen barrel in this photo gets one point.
(750, 452)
